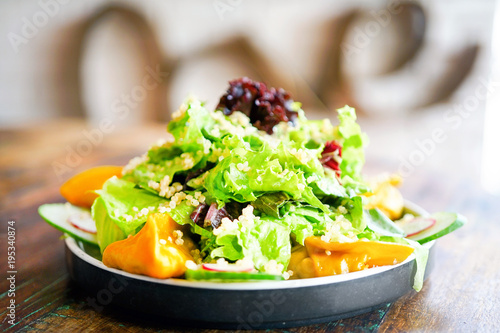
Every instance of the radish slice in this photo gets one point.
(227, 268)
(416, 225)
(83, 221)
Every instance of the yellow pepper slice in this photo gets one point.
(79, 189)
(318, 258)
(386, 196)
(301, 264)
(156, 250)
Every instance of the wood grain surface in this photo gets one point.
(461, 295)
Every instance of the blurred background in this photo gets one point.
(418, 72)
(94, 82)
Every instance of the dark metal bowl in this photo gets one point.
(249, 305)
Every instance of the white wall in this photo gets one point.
(34, 78)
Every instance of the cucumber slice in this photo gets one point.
(215, 276)
(445, 223)
(57, 215)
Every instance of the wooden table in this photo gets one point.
(462, 293)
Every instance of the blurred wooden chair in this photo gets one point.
(103, 82)
(408, 76)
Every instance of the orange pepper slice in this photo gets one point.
(79, 190)
(154, 251)
(331, 258)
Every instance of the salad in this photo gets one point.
(250, 191)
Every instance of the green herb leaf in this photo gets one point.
(381, 224)
(270, 203)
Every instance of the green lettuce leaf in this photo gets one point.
(381, 224)
(260, 240)
(421, 256)
(301, 227)
(124, 201)
(181, 213)
(328, 186)
(188, 151)
(247, 174)
(107, 230)
(353, 142)
(305, 221)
